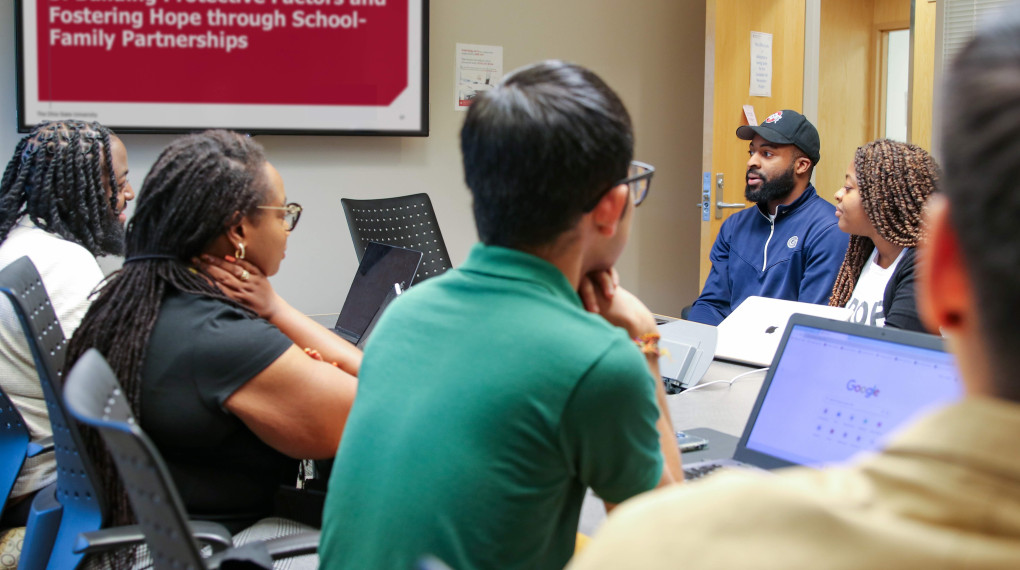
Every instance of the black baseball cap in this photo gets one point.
(786, 127)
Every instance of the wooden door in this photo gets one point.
(728, 27)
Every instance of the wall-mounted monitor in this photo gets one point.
(354, 67)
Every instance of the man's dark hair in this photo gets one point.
(191, 196)
(56, 178)
(981, 149)
(540, 149)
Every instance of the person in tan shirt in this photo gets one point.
(945, 493)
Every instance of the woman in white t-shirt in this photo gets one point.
(880, 204)
(62, 201)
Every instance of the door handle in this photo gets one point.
(719, 203)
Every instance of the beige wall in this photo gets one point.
(651, 52)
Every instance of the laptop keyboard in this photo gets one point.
(691, 473)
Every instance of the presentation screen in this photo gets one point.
(256, 66)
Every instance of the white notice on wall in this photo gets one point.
(479, 68)
(749, 115)
(761, 64)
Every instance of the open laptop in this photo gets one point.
(385, 272)
(751, 333)
(837, 388)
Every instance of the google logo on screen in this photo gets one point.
(853, 386)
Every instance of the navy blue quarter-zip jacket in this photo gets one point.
(796, 257)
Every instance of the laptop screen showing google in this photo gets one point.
(835, 393)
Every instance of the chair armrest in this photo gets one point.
(259, 554)
(107, 539)
(213, 534)
(40, 446)
(293, 545)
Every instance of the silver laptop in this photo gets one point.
(838, 388)
(751, 333)
(385, 272)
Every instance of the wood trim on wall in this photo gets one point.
(879, 71)
(922, 73)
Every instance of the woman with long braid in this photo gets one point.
(881, 205)
(230, 399)
(62, 200)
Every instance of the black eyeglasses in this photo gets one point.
(639, 180)
(292, 213)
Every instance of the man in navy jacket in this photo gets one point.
(787, 246)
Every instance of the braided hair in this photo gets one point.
(199, 186)
(59, 177)
(895, 180)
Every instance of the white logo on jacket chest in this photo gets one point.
(792, 242)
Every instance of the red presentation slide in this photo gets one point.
(334, 53)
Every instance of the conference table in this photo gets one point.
(723, 407)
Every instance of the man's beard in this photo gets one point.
(112, 241)
(770, 190)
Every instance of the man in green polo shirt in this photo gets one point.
(489, 398)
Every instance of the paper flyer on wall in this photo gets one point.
(479, 68)
(761, 64)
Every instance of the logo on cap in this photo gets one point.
(774, 117)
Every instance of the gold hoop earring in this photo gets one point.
(239, 252)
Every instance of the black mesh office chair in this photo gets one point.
(63, 510)
(403, 221)
(94, 397)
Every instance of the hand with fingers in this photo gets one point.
(242, 282)
(598, 287)
(601, 293)
(316, 355)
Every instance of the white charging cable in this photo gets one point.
(727, 382)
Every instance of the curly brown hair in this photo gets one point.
(894, 180)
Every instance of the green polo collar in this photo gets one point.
(514, 264)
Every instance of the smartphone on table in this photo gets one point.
(687, 442)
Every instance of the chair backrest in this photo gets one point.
(403, 221)
(83, 508)
(13, 446)
(94, 396)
